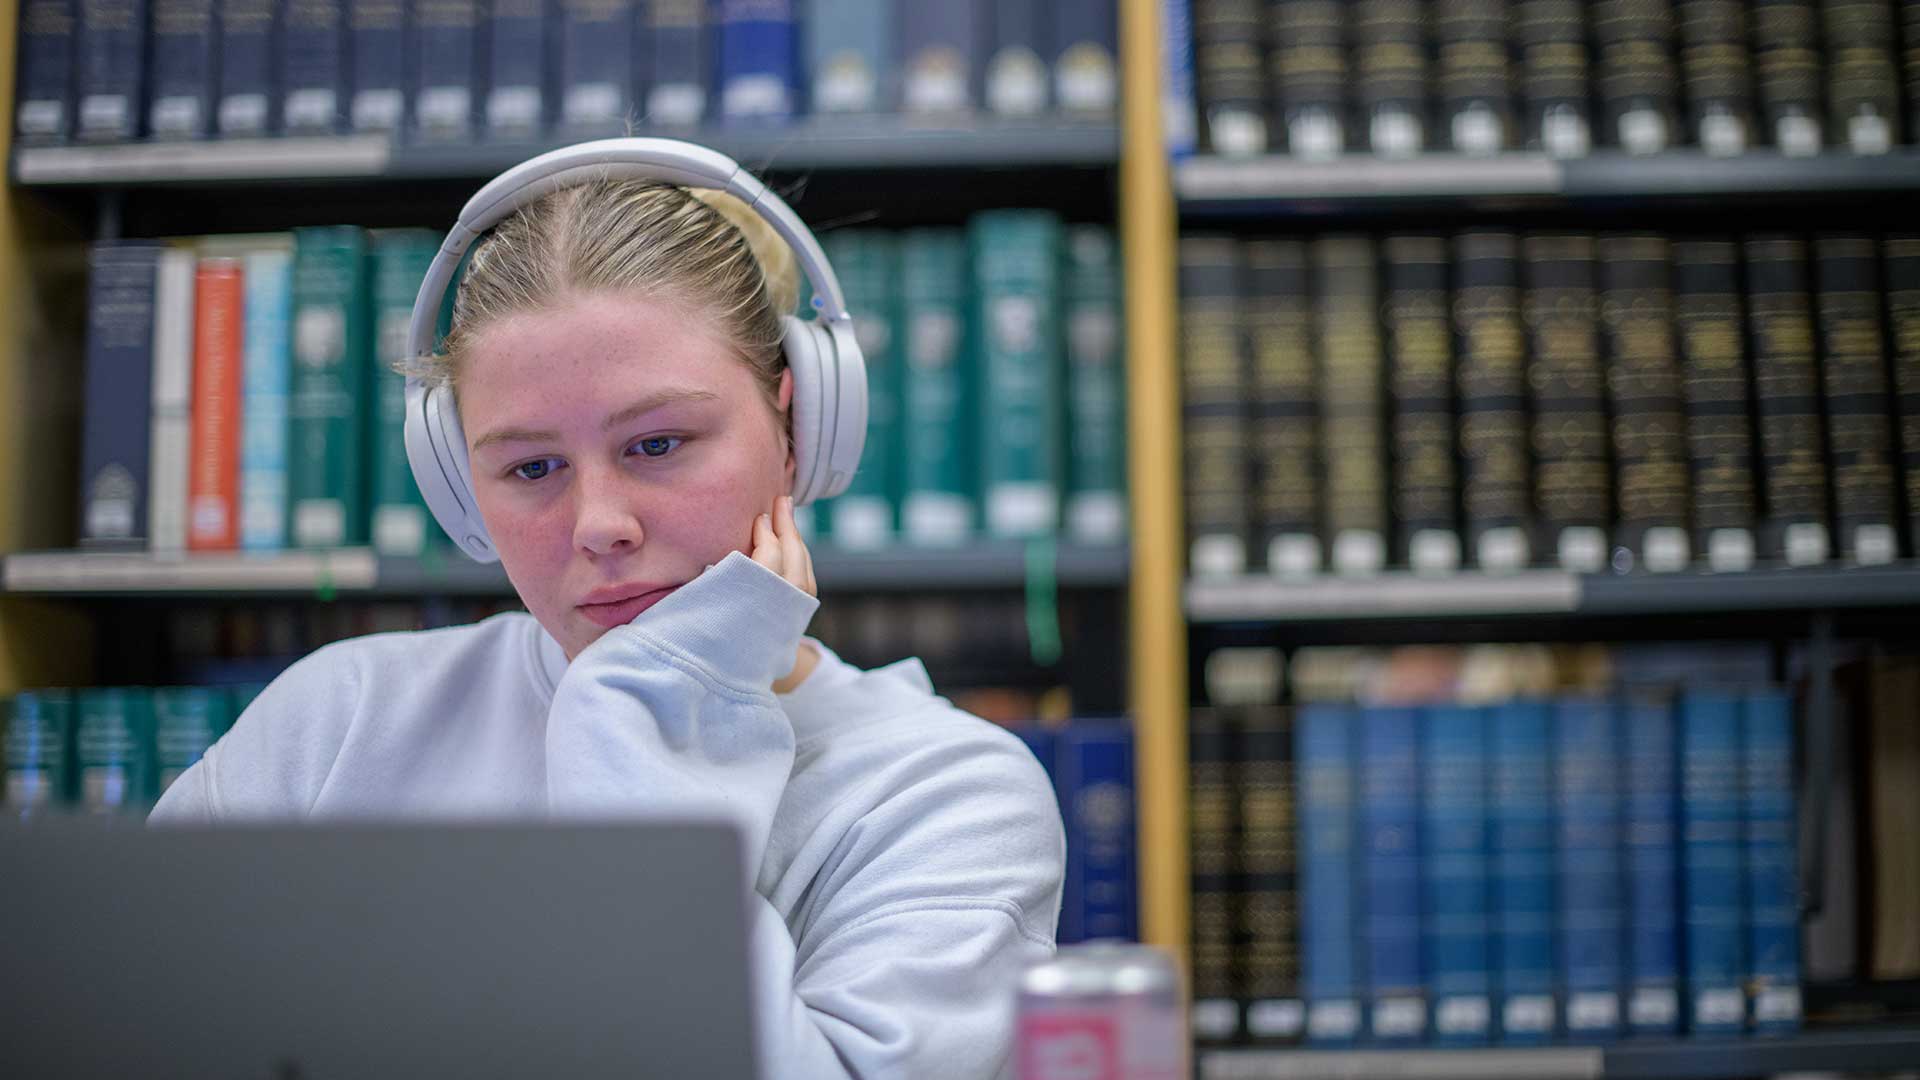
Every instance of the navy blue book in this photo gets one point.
(938, 49)
(377, 79)
(1713, 882)
(1039, 740)
(1454, 823)
(112, 55)
(1389, 835)
(1773, 886)
(1592, 907)
(313, 72)
(759, 56)
(1093, 778)
(1330, 964)
(595, 47)
(446, 43)
(517, 67)
(1084, 52)
(114, 441)
(44, 109)
(1652, 833)
(1523, 871)
(247, 83)
(680, 51)
(1016, 77)
(183, 42)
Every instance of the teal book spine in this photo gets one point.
(1017, 289)
(187, 720)
(328, 406)
(37, 753)
(263, 410)
(940, 501)
(867, 262)
(398, 523)
(1096, 509)
(114, 750)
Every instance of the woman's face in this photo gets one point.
(619, 448)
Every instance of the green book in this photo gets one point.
(939, 492)
(187, 720)
(1096, 381)
(1016, 266)
(398, 522)
(36, 753)
(114, 750)
(328, 406)
(867, 262)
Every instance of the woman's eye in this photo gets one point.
(657, 446)
(534, 470)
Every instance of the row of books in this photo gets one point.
(1626, 401)
(109, 750)
(240, 391)
(1091, 765)
(448, 70)
(1394, 78)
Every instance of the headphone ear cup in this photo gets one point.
(437, 453)
(808, 353)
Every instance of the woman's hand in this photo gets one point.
(778, 547)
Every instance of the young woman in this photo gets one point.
(615, 358)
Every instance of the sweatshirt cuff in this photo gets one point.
(739, 621)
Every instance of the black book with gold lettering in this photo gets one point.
(1639, 89)
(1213, 840)
(1495, 469)
(1863, 81)
(1910, 69)
(1713, 374)
(1571, 485)
(1213, 406)
(1268, 933)
(1786, 61)
(1390, 74)
(1285, 424)
(1716, 74)
(1552, 38)
(1786, 385)
(1308, 64)
(1853, 378)
(1230, 65)
(1643, 391)
(1474, 75)
(1903, 317)
(1352, 413)
(1420, 375)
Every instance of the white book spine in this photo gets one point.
(172, 400)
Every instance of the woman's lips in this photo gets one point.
(622, 612)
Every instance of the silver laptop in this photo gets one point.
(373, 951)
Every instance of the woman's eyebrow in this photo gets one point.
(645, 405)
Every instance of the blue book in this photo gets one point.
(1093, 778)
(517, 66)
(313, 40)
(247, 70)
(44, 111)
(1017, 78)
(1773, 887)
(1712, 879)
(1085, 57)
(1592, 900)
(1389, 844)
(1330, 962)
(937, 49)
(849, 54)
(446, 43)
(680, 51)
(377, 74)
(1523, 871)
(112, 55)
(1454, 824)
(263, 412)
(114, 444)
(1178, 111)
(595, 45)
(1040, 741)
(758, 53)
(1652, 833)
(180, 82)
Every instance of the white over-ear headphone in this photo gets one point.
(829, 412)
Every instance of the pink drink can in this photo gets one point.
(1102, 1011)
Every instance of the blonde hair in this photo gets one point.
(704, 250)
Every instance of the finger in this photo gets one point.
(806, 558)
(793, 550)
(766, 548)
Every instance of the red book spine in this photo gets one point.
(213, 492)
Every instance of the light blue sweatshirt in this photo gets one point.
(909, 855)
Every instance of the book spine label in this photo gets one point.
(596, 39)
(941, 497)
(1420, 349)
(1713, 880)
(446, 43)
(1592, 908)
(1773, 881)
(247, 70)
(1389, 837)
(1652, 836)
(1213, 838)
(757, 54)
(1713, 364)
(398, 523)
(1474, 75)
(1787, 388)
(1643, 390)
(1352, 405)
(186, 721)
(1495, 469)
(1552, 39)
(377, 37)
(867, 265)
(35, 754)
(1284, 431)
(1176, 77)
(328, 406)
(1084, 53)
(1267, 929)
(1716, 74)
(312, 66)
(1571, 481)
(112, 52)
(1213, 412)
(1015, 80)
(1093, 774)
(1324, 746)
(219, 314)
(1390, 80)
(1308, 62)
(1786, 61)
(114, 440)
(113, 750)
(1863, 77)
(180, 89)
(171, 439)
(1096, 384)
(849, 47)
(1639, 89)
(1453, 827)
(1853, 372)
(517, 65)
(263, 444)
(1016, 260)
(1903, 314)
(678, 29)
(937, 48)
(44, 111)
(1229, 59)
(1523, 872)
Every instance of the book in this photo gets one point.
(1419, 338)
(397, 522)
(1212, 410)
(1330, 958)
(1388, 842)
(181, 42)
(1716, 74)
(113, 750)
(1283, 430)
(1713, 882)
(1588, 876)
(1016, 80)
(263, 412)
(213, 489)
(1853, 378)
(1639, 89)
(1096, 506)
(170, 442)
(1016, 264)
(937, 50)
(1083, 48)
(1863, 80)
(187, 721)
(1473, 75)
(445, 38)
(1523, 871)
(1454, 823)
(327, 403)
(940, 494)
(312, 62)
(1179, 116)
(1093, 777)
(1650, 835)
(1903, 318)
(756, 77)
(1267, 928)
(1390, 77)
(867, 263)
(1708, 323)
(114, 438)
(377, 65)
(1910, 64)
(1644, 402)
(1786, 385)
(594, 43)
(1892, 808)
(1786, 63)
(37, 755)
(680, 67)
(1213, 810)
(1352, 403)
(1551, 36)
(1308, 60)
(1571, 485)
(43, 112)
(517, 51)
(110, 69)
(248, 75)
(1770, 828)
(1491, 376)
(1229, 59)
(849, 54)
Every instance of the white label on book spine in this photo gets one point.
(1276, 1019)
(1215, 1018)
(1868, 134)
(1471, 1015)
(1084, 79)
(1527, 1014)
(41, 117)
(844, 84)
(1022, 510)
(1097, 517)
(104, 114)
(1333, 1020)
(1593, 1011)
(1217, 556)
(1399, 1018)
(676, 104)
(1797, 135)
(1875, 545)
(1395, 133)
(1563, 131)
(1316, 135)
(1583, 549)
(1237, 132)
(937, 518)
(1293, 555)
(377, 110)
(755, 95)
(1666, 549)
(1017, 83)
(313, 108)
(1806, 543)
(243, 114)
(1722, 1007)
(1722, 134)
(399, 530)
(1503, 550)
(1729, 551)
(27, 789)
(591, 103)
(1434, 551)
(1777, 1005)
(1643, 131)
(174, 116)
(319, 523)
(861, 522)
(445, 107)
(513, 108)
(1359, 552)
(1476, 131)
(1654, 1007)
(936, 82)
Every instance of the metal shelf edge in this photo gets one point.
(1547, 1063)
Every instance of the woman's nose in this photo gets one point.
(605, 520)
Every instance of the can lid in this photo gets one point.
(1101, 967)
